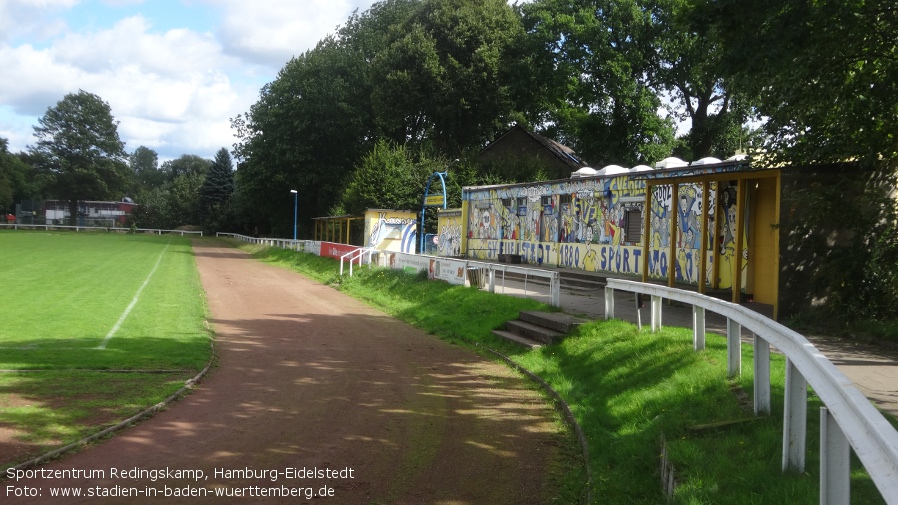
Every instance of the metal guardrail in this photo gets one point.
(283, 243)
(17, 226)
(848, 421)
(553, 278)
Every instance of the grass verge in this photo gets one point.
(628, 390)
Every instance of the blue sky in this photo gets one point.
(173, 71)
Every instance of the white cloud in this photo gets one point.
(20, 17)
(172, 90)
(176, 79)
(270, 32)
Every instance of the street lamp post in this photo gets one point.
(295, 208)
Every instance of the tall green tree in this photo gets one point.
(823, 74)
(388, 177)
(445, 79)
(146, 175)
(16, 179)
(216, 191)
(685, 62)
(78, 151)
(311, 125)
(596, 69)
(186, 164)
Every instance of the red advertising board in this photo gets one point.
(333, 250)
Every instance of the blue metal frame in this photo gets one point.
(442, 176)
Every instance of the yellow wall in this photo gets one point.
(763, 264)
(449, 229)
(391, 230)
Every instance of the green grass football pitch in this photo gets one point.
(97, 301)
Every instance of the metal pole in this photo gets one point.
(295, 210)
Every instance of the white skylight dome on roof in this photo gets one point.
(737, 157)
(584, 172)
(614, 170)
(671, 162)
(705, 161)
(641, 168)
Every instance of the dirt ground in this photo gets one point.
(309, 379)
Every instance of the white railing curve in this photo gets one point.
(848, 420)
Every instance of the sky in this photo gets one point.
(172, 71)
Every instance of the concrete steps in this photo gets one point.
(535, 329)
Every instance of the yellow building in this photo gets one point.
(710, 224)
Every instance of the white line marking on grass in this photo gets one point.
(131, 305)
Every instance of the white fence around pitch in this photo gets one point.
(282, 243)
(848, 420)
(482, 274)
(108, 229)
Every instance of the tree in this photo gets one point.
(15, 179)
(595, 69)
(387, 178)
(435, 75)
(186, 164)
(216, 191)
(684, 60)
(78, 151)
(308, 129)
(175, 203)
(823, 74)
(445, 77)
(144, 164)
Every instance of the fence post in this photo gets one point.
(762, 375)
(492, 279)
(795, 418)
(835, 462)
(698, 328)
(734, 348)
(555, 288)
(609, 303)
(656, 313)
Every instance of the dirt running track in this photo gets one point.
(309, 378)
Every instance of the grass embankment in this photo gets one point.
(627, 389)
(64, 295)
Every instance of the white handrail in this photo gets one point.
(552, 276)
(871, 437)
(356, 255)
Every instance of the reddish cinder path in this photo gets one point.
(309, 378)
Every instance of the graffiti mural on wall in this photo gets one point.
(575, 224)
(688, 233)
(391, 230)
(597, 224)
(727, 238)
(449, 238)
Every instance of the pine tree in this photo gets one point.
(216, 191)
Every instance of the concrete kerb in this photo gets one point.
(188, 385)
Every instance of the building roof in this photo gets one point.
(564, 153)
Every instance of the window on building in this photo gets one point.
(633, 231)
